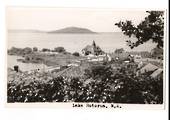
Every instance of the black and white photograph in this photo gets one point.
(85, 55)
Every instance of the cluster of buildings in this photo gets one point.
(93, 53)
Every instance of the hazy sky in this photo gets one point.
(98, 20)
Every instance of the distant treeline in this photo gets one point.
(20, 51)
(154, 53)
(33, 55)
(28, 50)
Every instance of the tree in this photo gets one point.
(15, 51)
(27, 50)
(59, 49)
(119, 51)
(157, 52)
(35, 49)
(151, 28)
(45, 50)
(76, 54)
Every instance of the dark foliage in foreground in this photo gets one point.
(101, 84)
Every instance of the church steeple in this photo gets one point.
(94, 44)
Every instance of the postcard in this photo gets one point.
(86, 58)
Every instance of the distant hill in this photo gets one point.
(73, 30)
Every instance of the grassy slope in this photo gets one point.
(57, 59)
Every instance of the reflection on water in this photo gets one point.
(12, 60)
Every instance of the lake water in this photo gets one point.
(12, 60)
(71, 42)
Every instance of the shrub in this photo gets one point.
(76, 54)
(27, 50)
(100, 84)
(59, 49)
(46, 50)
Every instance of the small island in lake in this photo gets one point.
(73, 30)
